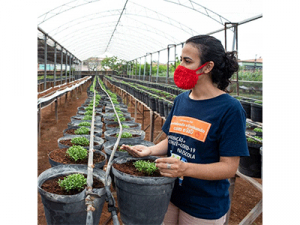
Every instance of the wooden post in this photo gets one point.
(56, 113)
(231, 190)
(143, 118)
(66, 97)
(135, 109)
(39, 121)
(151, 124)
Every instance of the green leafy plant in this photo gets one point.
(125, 135)
(83, 141)
(84, 124)
(89, 113)
(89, 108)
(124, 126)
(254, 141)
(145, 166)
(73, 182)
(87, 117)
(82, 130)
(121, 119)
(258, 102)
(257, 129)
(77, 152)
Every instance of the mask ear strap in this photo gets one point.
(200, 67)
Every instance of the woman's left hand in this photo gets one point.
(170, 167)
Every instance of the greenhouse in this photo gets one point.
(116, 136)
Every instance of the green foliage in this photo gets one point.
(258, 102)
(89, 113)
(89, 108)
(125, 135)
(254, 141)
(73, 182)
(82, 130)
(98, 97)
(257, 129)
(83, 141)
(77, 152)
(122, 119)
(84, 124)
(145, 166)
(125, 126)
(87, 117)
(114, 63)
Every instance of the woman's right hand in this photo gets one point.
(137, 150)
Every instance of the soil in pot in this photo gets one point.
(68, 142)
(129, 168)
(60, 156)
(52, 186)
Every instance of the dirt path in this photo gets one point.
(245, 195)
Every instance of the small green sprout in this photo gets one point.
(87, 117)
(258, 102)
(145, 166)
(83, 141)
(73, 182)
(122, 119)
(125, 135)
(88, 113)
(77, 152)
(84, 124)
(82, 130)
(254, 141)
(257, 129)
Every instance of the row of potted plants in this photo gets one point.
(253, 108)
(143, 194)
(62, 187)
(154, 101)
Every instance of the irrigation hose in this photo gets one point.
(111, 200)
(89, 202)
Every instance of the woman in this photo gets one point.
(206, 135)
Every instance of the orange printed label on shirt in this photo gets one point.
(189, 126)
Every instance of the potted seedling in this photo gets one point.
(63, 193)
(82, 140)
(258, 131)
(113, 134)
(142, 190)
(82, 130)
(251, 165)
(128, 125)
(75, 123)
(76, 155)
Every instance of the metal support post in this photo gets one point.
(144, 68)
(157, 66)
(150, 74)
(66, 66)
(167, 77)
(45, 62)
(61, 64)
(54, 64)
(140, 68)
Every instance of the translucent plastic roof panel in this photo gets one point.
(132, 28)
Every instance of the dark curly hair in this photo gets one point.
(225, 63)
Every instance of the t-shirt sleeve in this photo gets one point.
(167, 123)
(233, 140)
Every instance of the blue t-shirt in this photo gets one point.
(200, 131)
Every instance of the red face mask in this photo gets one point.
(185, 78)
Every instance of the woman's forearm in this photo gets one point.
(160, 149)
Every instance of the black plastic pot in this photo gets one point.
(157, 105)
(256, 112)
(80, 118)
(251, 165)
(247, 107)
(152, 103)
(70, 209)
(142, 200)
(166, 109)
(170, 105)
(161, 107)
(97, 140)
(97, 165)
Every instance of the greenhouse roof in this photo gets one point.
(130, 29)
